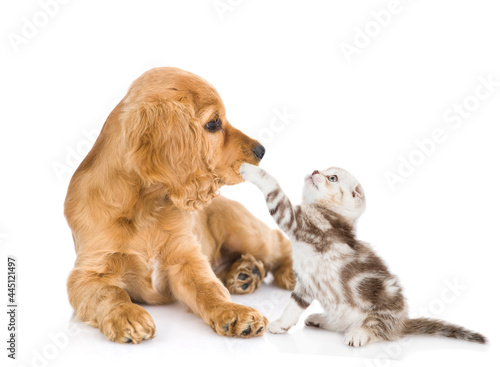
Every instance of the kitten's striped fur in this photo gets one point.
(354, 286)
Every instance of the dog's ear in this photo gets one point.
(166, 144)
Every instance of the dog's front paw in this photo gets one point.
(232, 319)
(128, 323)
(251, 173)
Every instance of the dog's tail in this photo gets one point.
(424, 326)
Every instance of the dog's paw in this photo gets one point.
(356, 338)
(275, 327)
(246, 275)
(128, 323)
(232, 319)
(249, 172)
(284, 277)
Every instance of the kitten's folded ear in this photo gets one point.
(358, 193)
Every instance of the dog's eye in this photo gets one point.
(333, 178)
(214, 125)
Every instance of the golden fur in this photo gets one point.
(147, 223)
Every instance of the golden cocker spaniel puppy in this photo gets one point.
(147, 224)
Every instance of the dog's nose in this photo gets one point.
(259, 151)
(315, 172)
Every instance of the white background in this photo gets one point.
(437, 227)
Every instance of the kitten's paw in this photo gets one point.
(357, 338)
(276, 328)
(249, 172)
(315, 320)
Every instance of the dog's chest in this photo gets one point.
(155, 275)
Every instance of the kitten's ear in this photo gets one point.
(358, 193)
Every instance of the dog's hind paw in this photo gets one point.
(245, 275)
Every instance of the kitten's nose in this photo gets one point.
(259, 151)
(316, 172)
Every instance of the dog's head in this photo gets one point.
(176, 133)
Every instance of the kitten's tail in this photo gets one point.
(424, 326)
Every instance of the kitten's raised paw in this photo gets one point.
(276, 328)
(250, 172)
(357, 338)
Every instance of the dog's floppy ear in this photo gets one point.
(166, 144)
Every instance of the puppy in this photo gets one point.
(146, 221)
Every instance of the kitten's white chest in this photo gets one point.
(319, 273)
(305, 259)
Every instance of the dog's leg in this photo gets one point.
(236, 230)
(283, 270)
(99, 302)
(193, 282)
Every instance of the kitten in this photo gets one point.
(359, 295)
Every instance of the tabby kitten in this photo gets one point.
(359, 295)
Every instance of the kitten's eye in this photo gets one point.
(333, 178)
(214, 125)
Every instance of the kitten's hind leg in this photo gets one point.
(319, 320)
(322, 321)
(358, 337)
(376, 326)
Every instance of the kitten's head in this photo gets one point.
(337, 190)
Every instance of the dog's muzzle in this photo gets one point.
(259, 151)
